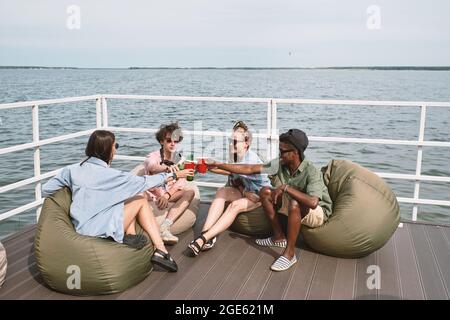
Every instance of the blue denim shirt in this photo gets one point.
(98, 195)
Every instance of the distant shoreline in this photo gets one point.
(384, 68)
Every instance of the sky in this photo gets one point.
(219, 33)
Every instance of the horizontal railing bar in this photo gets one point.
(424, 201)
(229, 99)
(21, 209)
(382, 141)
(401, 176)
(131, 158)
(46, 102)
(45, 142)
(186, 98)
(286, 101)
(364, 102)
(209, 184)
(28, 181)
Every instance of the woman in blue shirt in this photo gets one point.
(106, 202)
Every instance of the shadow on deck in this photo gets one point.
(414, 264)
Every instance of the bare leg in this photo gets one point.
(138, 207)
(217, 207)
(269, 209)
(227, 218)
(294, 224)
(132, 228)
(182, 199)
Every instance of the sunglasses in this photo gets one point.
(169, 140)
(116, 145)
(285, 151)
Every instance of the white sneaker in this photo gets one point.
(167, 236)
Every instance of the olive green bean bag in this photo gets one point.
(79, 265)
(365, 212)
(189, 216)
(252, 223)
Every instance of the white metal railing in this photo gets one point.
(271, 136)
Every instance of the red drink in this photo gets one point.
(201, 165)
(187, 166)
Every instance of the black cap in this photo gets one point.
(297, 138)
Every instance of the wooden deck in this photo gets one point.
(414, 264)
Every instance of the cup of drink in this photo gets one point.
(189, 165)
(201, 165)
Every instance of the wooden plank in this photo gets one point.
(363, 292)
(238, 275)
(22, 278)
(300, 284)
(432, 282)
(151, 281)
(188, 268)
(345, 279)
(409, 277)
(278, 281)
(323, 278)
(446, 232)
(257, 280)
(205, 288)
(390, 283)
(441, 251)
(12, 247)
(195, 275)
(19, 235)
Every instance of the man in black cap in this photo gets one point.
(299, 192)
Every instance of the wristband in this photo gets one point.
(285, 188)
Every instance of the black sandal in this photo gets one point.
(165, 261)
(194, 247)
(210, 243)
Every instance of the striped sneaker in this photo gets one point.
(283, 263)
(268, 242)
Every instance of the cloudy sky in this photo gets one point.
(225, 33)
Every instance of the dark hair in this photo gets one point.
(172, 128)
(100, 145)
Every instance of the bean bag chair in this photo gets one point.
(3, 264)
(80, 265)
(187, 219)
(252, 223)
(365, 212)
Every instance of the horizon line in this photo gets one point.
(431, 68)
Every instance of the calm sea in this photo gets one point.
(337, 121)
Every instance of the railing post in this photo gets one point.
(104, 112)
(36, 157)
(423, 113)
(269, 130)
(273, 133)
(98, 107)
